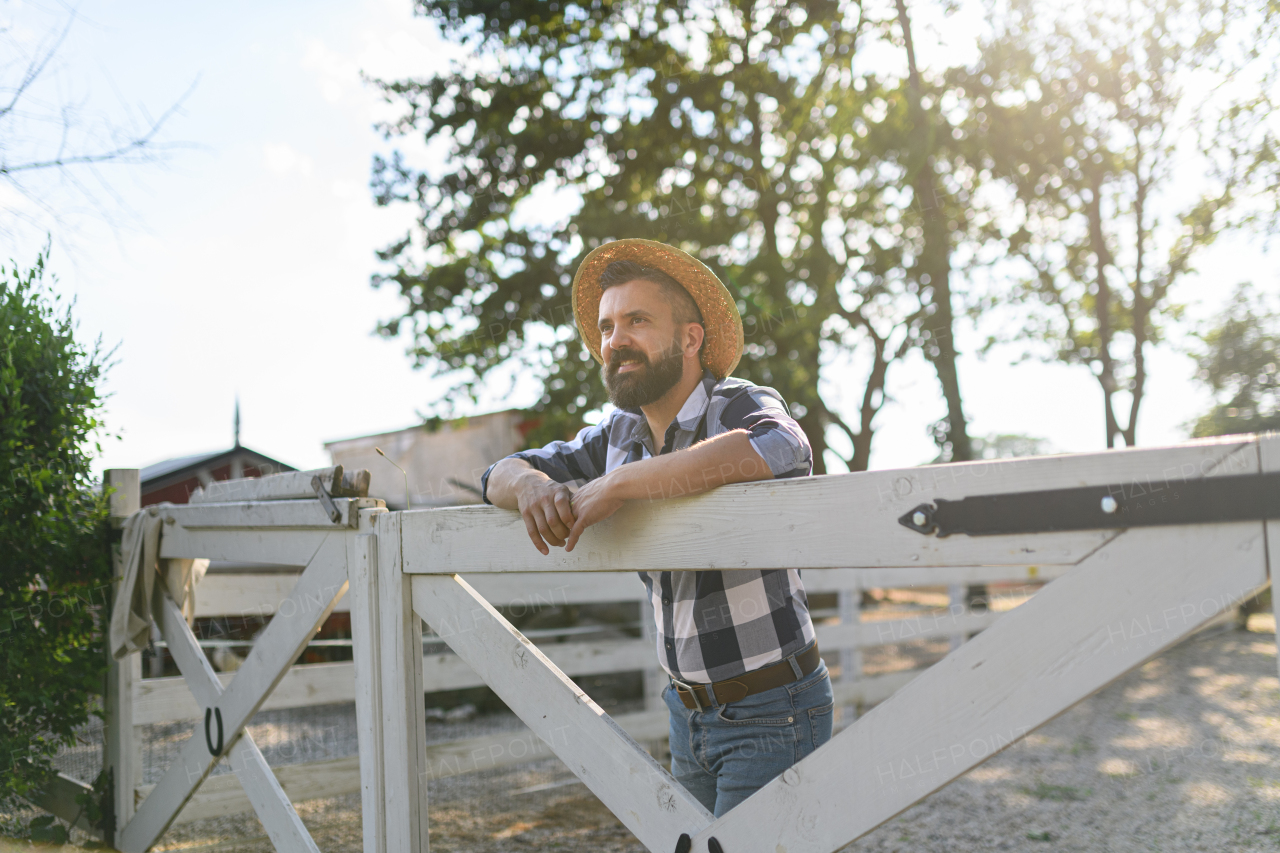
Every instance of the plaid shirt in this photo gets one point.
(711, 625)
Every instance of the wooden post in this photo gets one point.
(1269, 460)
(404, 718)
(120, 744)
(362, 574)
(126, 499)
(849, 603)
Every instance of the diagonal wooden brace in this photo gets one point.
(297, 618)
(269, 800)
(648, 801)
(1069, 641)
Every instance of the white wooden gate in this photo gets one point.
(1122, 596)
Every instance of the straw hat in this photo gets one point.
(722, 345)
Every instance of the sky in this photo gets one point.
(239, 264)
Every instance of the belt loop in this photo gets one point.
(712, 701)
(795, 667)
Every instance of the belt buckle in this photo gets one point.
(688, 689)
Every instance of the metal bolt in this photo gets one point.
(1109, 504)
(919, 519)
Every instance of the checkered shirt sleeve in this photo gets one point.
(710, 625)
(574, 462)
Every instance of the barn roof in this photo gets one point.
(182, 467)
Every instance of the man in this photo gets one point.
(749, 695)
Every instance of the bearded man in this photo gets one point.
(749, 694)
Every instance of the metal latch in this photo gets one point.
(330, 508)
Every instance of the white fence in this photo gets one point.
(842, 637)
(1120, 595)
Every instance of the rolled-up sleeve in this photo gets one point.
(773, 433)
(573, 462)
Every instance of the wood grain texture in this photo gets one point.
(403, 712)
(276, 515)
(270, 803)
(275, 650)
(259, 594)
(1031, 665)
(120, 747)
(167, 699)
(362, 574)
(291, 485)
(652, 805)
(1269, 460)
(846, 520)
(279, 547)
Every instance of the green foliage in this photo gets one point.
(842, 204)
(53, 530)
(740, 132)
(46, 830)
(1240, 363)
(1083, 111)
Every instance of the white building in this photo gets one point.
(443, 464)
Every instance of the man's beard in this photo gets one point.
(645, 384)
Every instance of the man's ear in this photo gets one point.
(694, 336)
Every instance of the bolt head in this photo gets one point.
(1109, 504)
(919, 519)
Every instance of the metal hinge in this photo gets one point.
(1247, 497)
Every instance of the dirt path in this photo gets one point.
(1180, 755)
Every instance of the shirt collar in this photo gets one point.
(695, 406)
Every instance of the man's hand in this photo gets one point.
(593, 503)
(543, 503)
(546, 511)
(551, 519)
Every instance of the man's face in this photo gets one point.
(640, 344)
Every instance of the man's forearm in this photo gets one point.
(505, 479)
(727, 458)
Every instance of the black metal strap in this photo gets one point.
(1248, 497)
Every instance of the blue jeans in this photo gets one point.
(723, 755)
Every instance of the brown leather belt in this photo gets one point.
(749, 683)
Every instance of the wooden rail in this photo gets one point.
(168, 699)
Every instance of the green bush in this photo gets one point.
(55, 565)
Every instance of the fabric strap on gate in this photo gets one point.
(1248, 497)
(140, 564)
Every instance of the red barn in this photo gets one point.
(175, 479)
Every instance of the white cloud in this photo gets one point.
(282, 158)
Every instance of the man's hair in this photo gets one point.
(683, 308)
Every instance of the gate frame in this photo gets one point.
(404, 567)
(910, 745)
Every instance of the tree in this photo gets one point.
(1083, 113)
(52, 143)
(932, 273)
(53, 530)
(737, 130)
(1240, 363)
